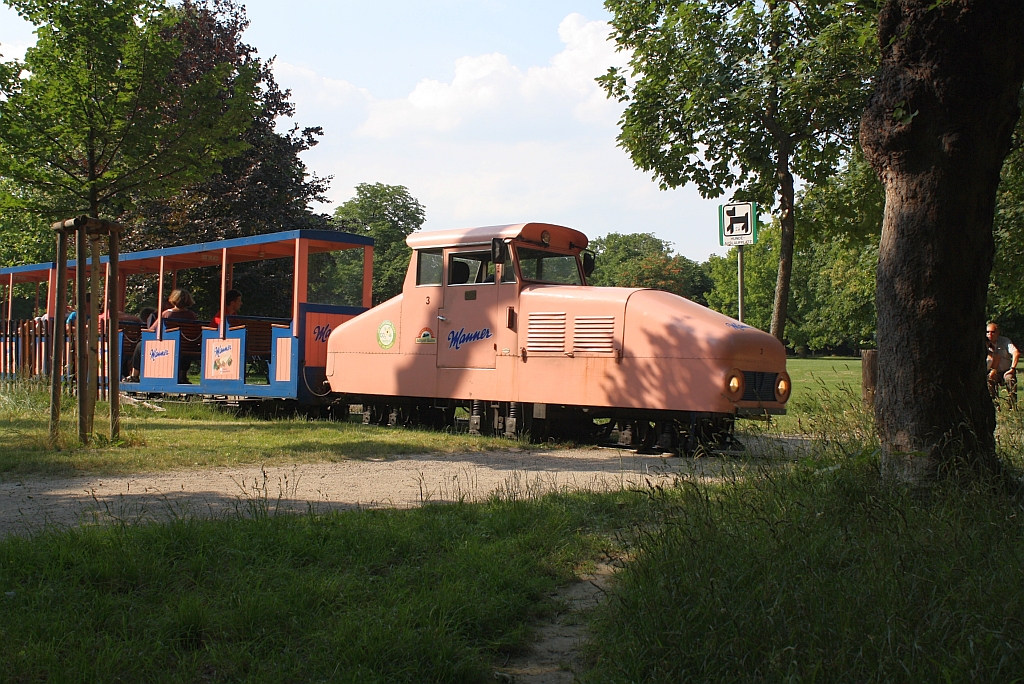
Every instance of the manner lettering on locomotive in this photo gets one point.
(458, 338)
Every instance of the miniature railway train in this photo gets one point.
(498, 321)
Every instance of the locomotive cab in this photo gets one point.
(501, 320)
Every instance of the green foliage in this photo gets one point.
(103, 109)
(265, 188)
(388, 214)
(24, 238)
(743, 94)
(832, 301)
(760, 269)
(1006, 288)
(642, 260)
(819, 573)
(434, 594)
(717, 89)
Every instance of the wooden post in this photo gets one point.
(53, 300)
(869, 375)
(299, 281)
(159, 304)
(223, 326)
(94, 328)
(81, 359)
(10, 299)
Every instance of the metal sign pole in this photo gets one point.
(739, 266)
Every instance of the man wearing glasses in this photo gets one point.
(1002, 363)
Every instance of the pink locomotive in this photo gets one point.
(501, 322)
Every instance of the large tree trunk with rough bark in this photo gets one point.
(936, 130)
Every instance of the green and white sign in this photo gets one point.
(737, 224)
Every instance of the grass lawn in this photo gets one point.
(806, 571)
(197, 435)
(437, 594)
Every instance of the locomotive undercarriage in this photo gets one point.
(647, 431)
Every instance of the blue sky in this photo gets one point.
(487, 111)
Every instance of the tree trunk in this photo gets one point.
(788, 222)
(936, 130)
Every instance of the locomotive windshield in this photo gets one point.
(548, 267)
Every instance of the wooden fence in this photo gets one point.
(26, 354)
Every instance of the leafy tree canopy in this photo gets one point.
(727, 93)
(264, 188)
(642, 260)
(1006, 288)
(832, 301)
(388, 214)
(105, 107)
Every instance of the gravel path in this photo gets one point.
(28, 504)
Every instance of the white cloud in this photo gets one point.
(500, 144)
(488, 89)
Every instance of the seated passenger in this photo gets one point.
(232, 303)
(180, 301)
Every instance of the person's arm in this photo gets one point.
(1016, 355)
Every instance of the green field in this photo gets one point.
(831, 372)
(197, 435)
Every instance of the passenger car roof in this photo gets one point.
(561, 237)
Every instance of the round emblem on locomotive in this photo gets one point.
(386, 335)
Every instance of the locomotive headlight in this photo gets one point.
(783, 386)
(734, 385)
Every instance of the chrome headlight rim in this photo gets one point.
(783, 387)
(735, 384)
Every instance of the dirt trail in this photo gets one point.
(27, 504)
(554, 657)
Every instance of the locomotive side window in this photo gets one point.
(548, 267)
(508, 271)
(470, 268)
(429, 267)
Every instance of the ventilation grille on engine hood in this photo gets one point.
(546, 332)
(593, 334)
(759, 386)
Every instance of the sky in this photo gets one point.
(486, 110)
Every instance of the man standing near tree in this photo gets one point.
(1002, 363)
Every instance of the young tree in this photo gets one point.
(388, 214)
(95, 112)
(937, 129)
(726, 93)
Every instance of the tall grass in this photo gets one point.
(819, 571)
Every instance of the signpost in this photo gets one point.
(737, 226)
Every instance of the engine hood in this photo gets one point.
(664, 325)
(640, 323)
